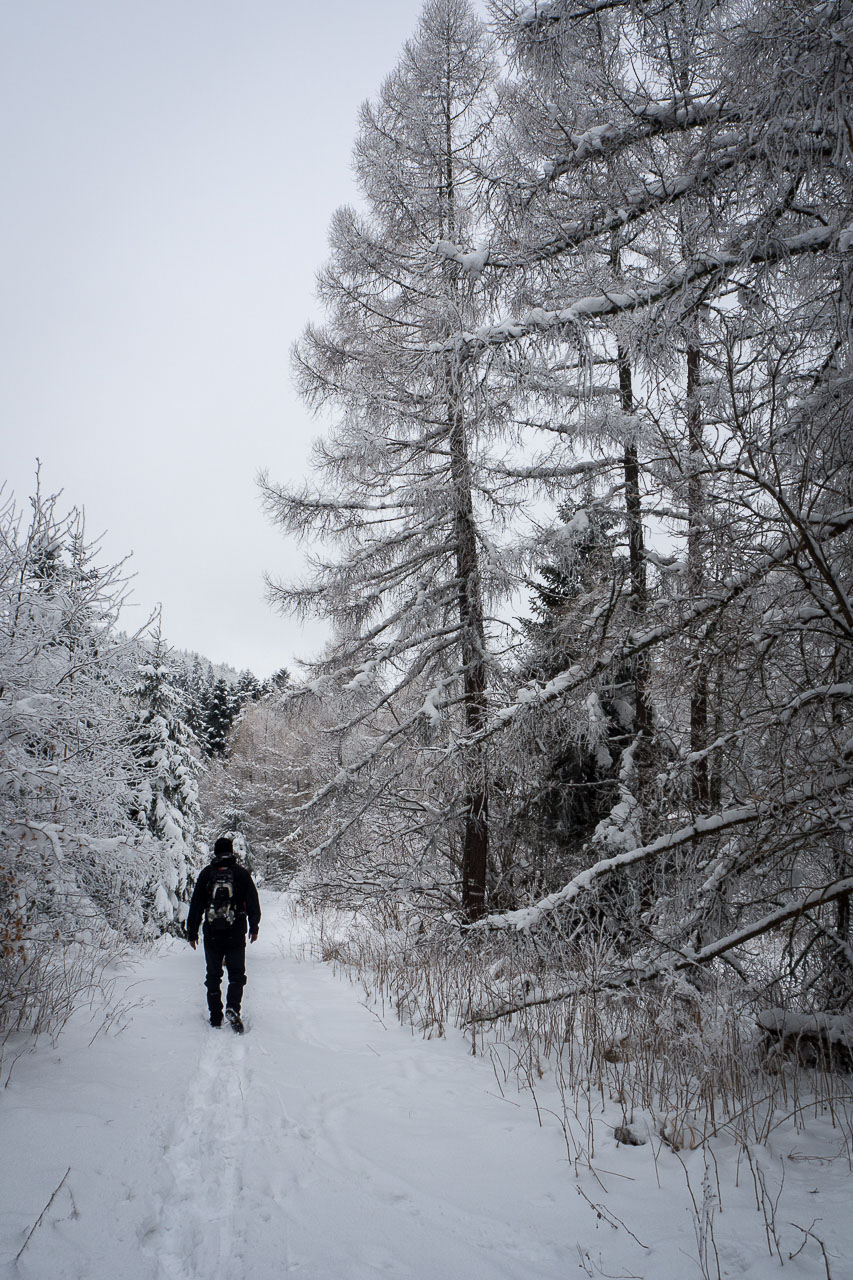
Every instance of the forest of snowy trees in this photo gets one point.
(580, 523)
(581, 511)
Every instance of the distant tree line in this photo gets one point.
(214, 701)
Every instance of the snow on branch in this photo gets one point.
(657, 118)
(643, 199)
(526, 918)
(725, 594)
(546, 12)
(689, 959)
(540, 320)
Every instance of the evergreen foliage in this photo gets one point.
(568, 784)
(166, 800)
(220, 710)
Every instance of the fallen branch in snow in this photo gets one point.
(816, 1036)
(38, 1220)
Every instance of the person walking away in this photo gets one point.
(226, 901)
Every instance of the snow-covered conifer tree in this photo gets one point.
(221, 707)
(166, 801)
(561, 766)
(404, 487)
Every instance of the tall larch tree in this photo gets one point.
(402, 489)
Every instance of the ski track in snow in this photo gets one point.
(328, 1144)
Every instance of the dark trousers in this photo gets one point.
(231, 952)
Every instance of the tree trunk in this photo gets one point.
(472, 643)
(475, 837)
(636, 554)
(696, 571)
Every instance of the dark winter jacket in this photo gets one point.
(245, 893)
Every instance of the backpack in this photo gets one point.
(222, 904)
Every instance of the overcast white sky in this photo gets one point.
(169, 171)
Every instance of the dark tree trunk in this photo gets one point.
(696, 567)
(636, 553)
(475, 840)
(475, 836)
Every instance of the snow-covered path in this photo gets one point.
(330, 1145)
(322, 1143)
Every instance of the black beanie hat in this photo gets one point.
(223, 848)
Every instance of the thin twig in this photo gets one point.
(38, 1220)
(809, 1234)
(608, 1216)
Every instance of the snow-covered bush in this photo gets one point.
(80, 877)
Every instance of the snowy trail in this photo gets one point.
(321, 1144)
(326, 1144)
(195, 1237)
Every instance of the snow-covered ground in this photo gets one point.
(335, 1145)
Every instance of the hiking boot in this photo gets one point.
(235, 1020)
(216, 1019)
